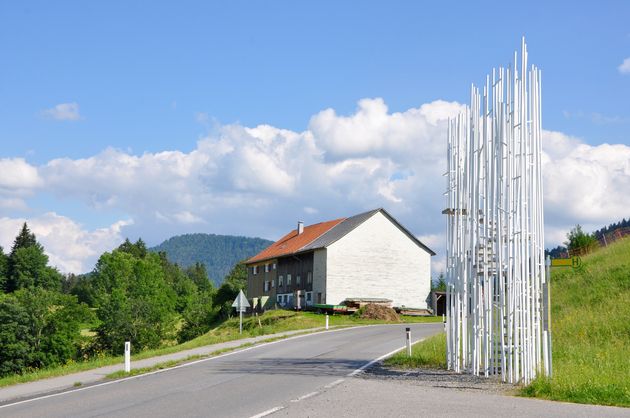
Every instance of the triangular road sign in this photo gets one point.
(241, 302)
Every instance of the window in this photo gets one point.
(273, 266)
(280, 281)
(309, 277)
(309, 296)
(273, 283)
(255, 270)
(288, 280)
(297, 280)
(279, 298)
(285, 298)
(266, 286)
(266, 268)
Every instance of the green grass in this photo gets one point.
(270, 323)
(591, 331)
(430, 352)
(590, 315)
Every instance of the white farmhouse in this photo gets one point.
(370, 255)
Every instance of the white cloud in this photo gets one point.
(258, 181)
(68, 245)
(624, 68)
(63, 111)
(18, 176)
(372, 129)
(13, 203)
(588, 184)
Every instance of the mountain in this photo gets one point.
(218, 252)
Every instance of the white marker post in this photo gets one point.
(408, 331)
(127, 357)
(240, 303)
(326, 321)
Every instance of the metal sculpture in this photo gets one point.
(497, 298)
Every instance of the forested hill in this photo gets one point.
(218, 252)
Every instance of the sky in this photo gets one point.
(151, 119)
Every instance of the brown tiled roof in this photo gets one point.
(292, 242)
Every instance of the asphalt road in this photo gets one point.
(247, 383)
(306, 376)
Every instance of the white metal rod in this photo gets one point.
(496, 278)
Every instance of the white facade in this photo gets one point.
(375, 260)
(319, 275)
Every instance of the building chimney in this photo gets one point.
(300, 227)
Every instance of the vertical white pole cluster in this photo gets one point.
(495, 236)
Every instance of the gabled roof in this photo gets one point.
(292, 243)
(323, 234)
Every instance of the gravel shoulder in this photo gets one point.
(439, 378)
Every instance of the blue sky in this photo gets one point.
(145, 77)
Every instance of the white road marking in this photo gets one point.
(336, 382)
(376, 360)
(308, 395)
(67, 392)
(333, 384)
(268, 412)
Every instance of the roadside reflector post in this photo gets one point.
(127, 357)
(326, 321)
(408, 331)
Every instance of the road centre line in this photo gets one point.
(124, 379)
(269, 412)
(336, 382)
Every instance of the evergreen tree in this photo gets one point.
(138, 250)
(28, 265)
(4, 270)
(440, 284)
(24, 239)
(199, 276)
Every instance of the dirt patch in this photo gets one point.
(380, 312)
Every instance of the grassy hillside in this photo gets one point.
(218, 252)
(591, 330)
(590, 315)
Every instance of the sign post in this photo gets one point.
(241, 304)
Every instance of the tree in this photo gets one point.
(54, 325)
(198, 316)
(39, 328)
(440, 284)
(15, 340)
(138, 250)
(235, 281)
(135, 302)
(199, 275)
(579, 242)
(4, 269)
(24, 239)
(27, 265)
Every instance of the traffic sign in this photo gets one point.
(566, 262)
(241, 302)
